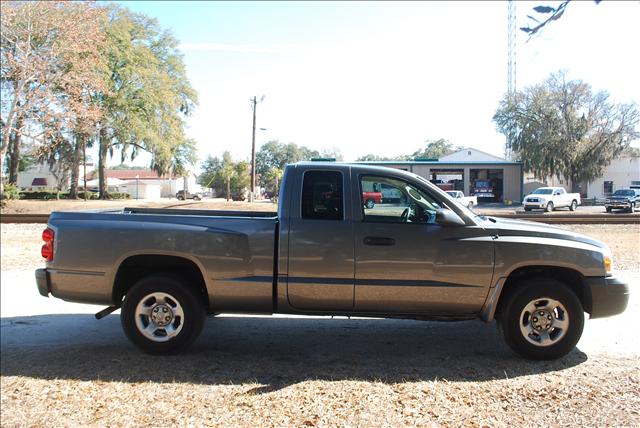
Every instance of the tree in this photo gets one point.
(435, 149)
(39, 42)
(225, 175)
(275, 154)
(148, 95)
(562, 128)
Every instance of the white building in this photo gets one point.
(142, 189)
(39, 178)
(622, 173)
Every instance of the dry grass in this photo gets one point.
(251, 372)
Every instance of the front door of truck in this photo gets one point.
(321, 265)
(407, 263)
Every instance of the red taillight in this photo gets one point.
(48, 236)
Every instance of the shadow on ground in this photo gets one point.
(275, 352)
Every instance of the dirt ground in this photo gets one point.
(61, 367)
(46, 207)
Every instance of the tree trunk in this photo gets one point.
(3, 154)
(228, 188)
(14, 162)
(75, 165)
(102, 164)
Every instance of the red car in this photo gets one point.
(369, 199)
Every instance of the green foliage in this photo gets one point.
(218, 173)
(149, 94)
(561, 128)
(435, 149)
(275, 154)
(11, 191)
(48, 195)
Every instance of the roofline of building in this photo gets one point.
(437, 163)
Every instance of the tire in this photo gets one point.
(573, 206)
(549, 207)
(177, 327)
(470, 205)
(632, 208)
(608, 209)
(196, 198)
(180, 198)
(549, 338)
(527, 209)
(370, 204)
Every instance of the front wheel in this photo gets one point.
(370, 204)
(541, 319)
(632, 207)
(608, 209)
(470, 205)
(162, 315)
(549, 207)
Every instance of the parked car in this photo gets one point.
(623, 199)
(428, 258)
(185, 194)
(467, 201)
(550, 198)
(369, 199)
(484, 189)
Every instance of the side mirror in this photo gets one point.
(446, 217)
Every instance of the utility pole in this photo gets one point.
(254, 105)
(511, 55)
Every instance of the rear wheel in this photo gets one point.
(608, 209)
(632, 207)
(541, 319)
(549, 207)
(470, 205)
(573, 206)
(161, 315)
(370, 204)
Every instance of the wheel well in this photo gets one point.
(573, 279)
(137, 267)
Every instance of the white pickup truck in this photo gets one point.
(466, 201)
(550, 198)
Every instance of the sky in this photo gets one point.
(382, 77)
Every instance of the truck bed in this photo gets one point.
(234, 251)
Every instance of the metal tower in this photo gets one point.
(511, 61)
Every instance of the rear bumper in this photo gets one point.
(609, 296)
(43, 281)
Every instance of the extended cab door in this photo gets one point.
(321, 265)
(408, 263)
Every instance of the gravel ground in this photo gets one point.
(61, 367)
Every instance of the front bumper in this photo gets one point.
(538, 205)
(617, 205)
(43, 281)
(608, 296)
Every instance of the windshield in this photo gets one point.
(624, 193)
(461, 207)
(542, 191)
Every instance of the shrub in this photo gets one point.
(120, 195)
(90, 195)
(11, 191)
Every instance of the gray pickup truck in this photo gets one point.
(418, 256)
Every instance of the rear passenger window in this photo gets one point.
(322, 195)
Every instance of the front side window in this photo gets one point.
(322, 195)
(390, 200)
